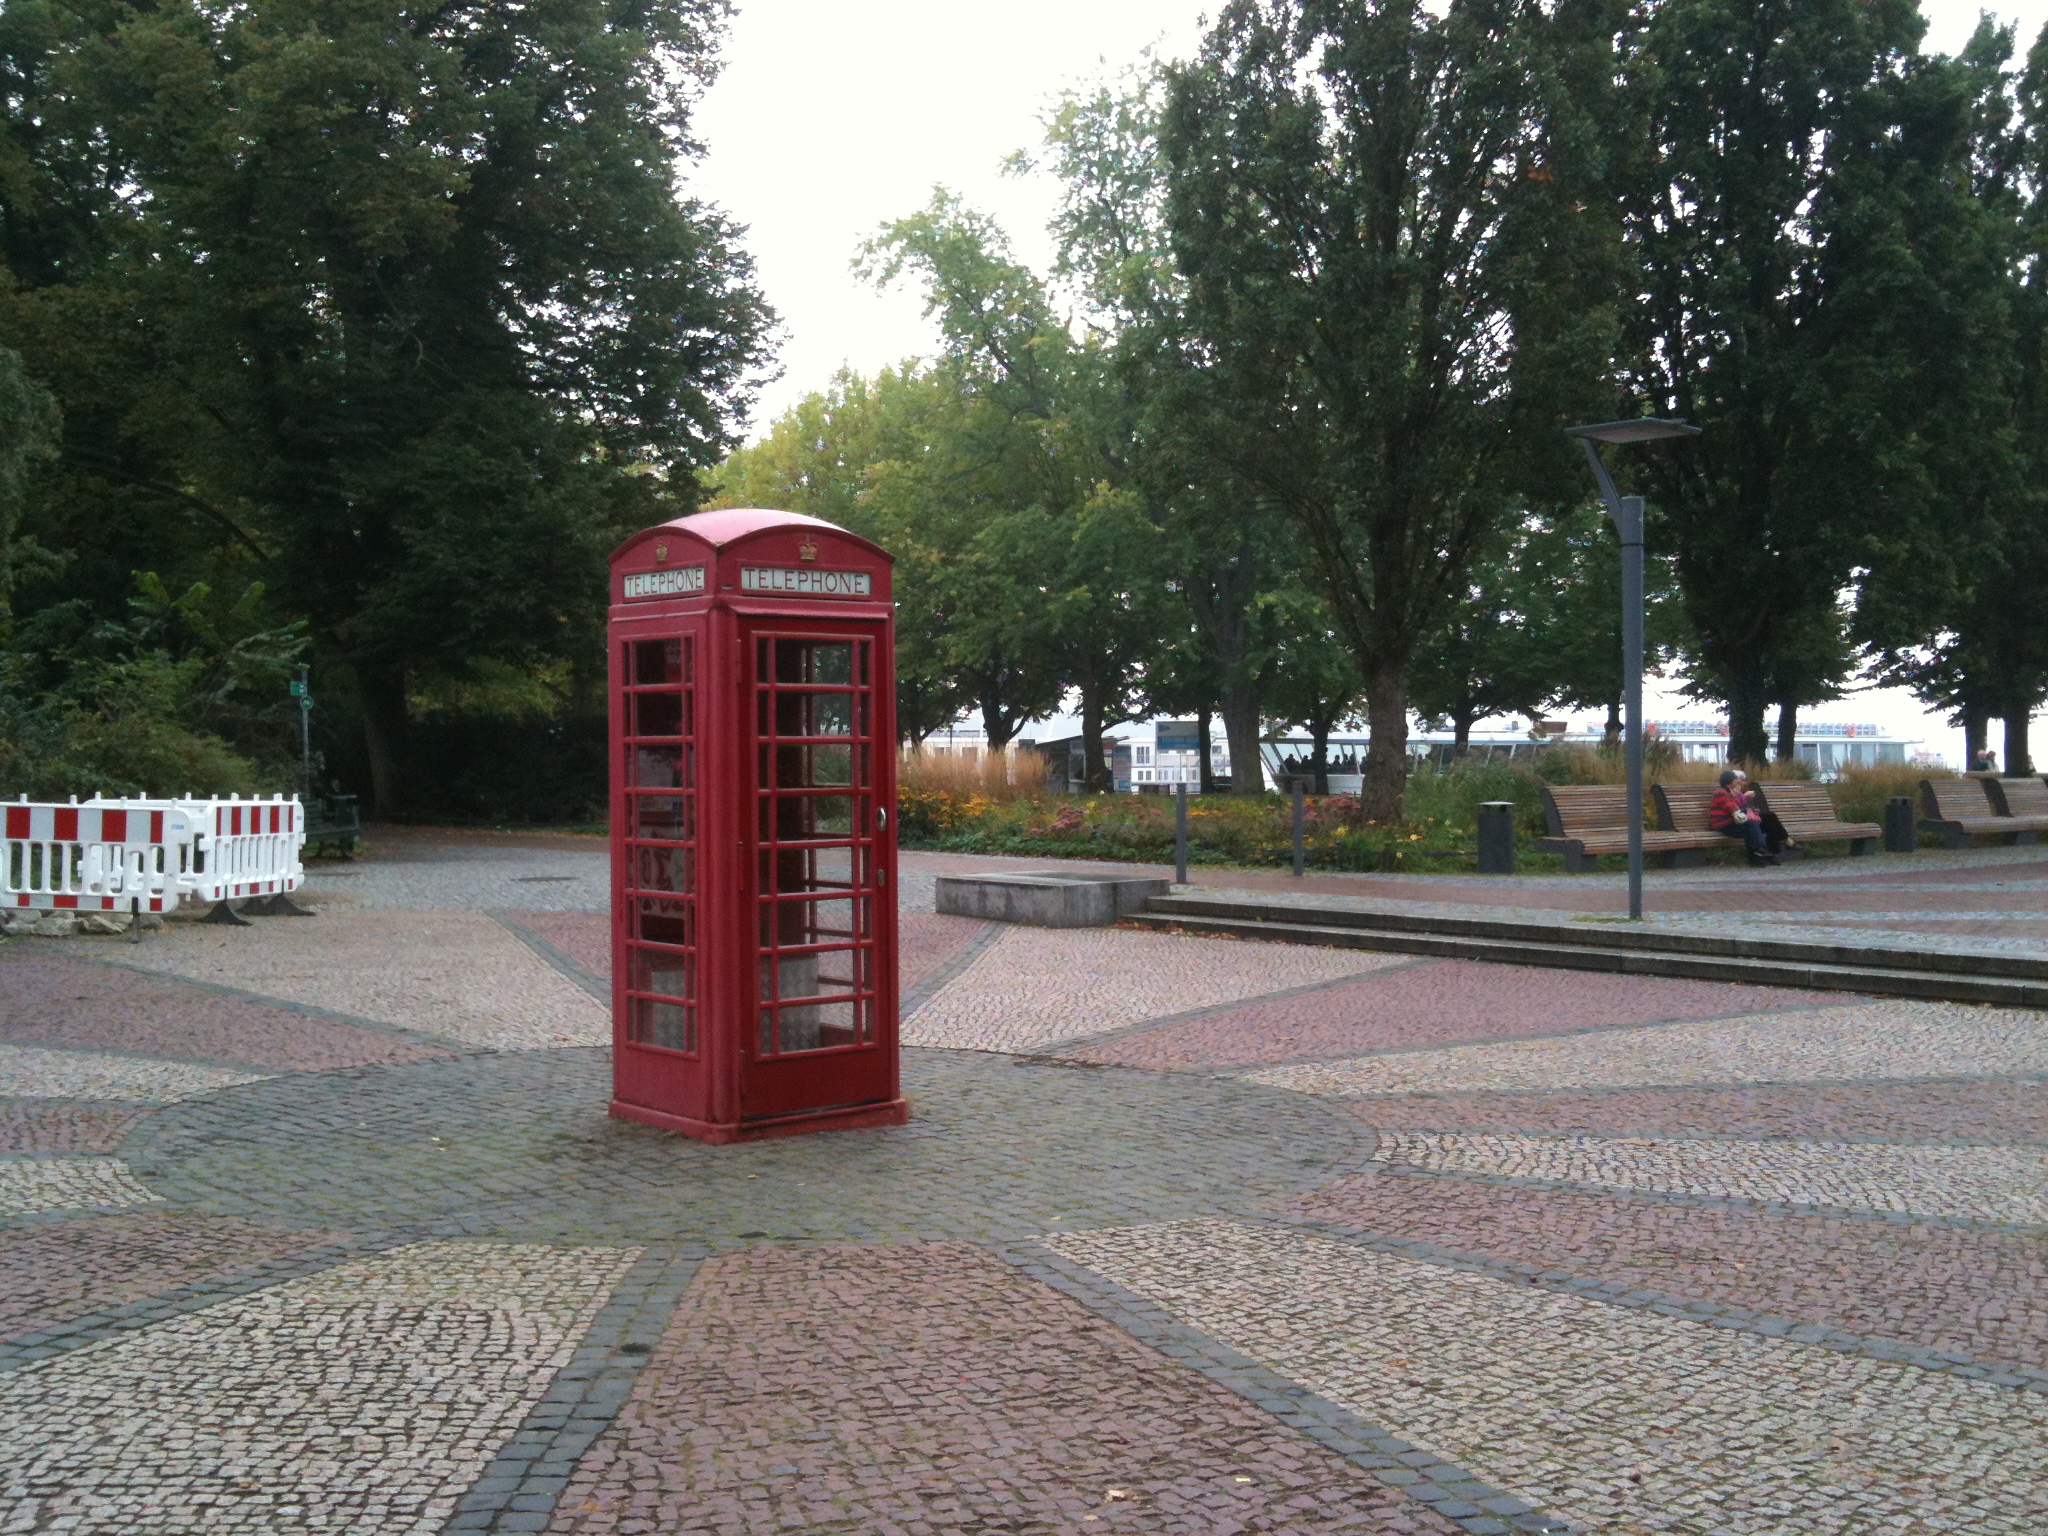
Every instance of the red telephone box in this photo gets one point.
(753, 739)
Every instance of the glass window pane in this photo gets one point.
(657, 767)
(813, 767)
(814, 714)
(666, 818)
(661, 920)
(814, 661)
(672, 1026)
(659, 971)
(658, 714)
(665, 869)
(657, 661)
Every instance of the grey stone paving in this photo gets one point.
(518, 1145)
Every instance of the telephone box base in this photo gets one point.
(849, 1117)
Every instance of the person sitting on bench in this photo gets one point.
(1734, 813)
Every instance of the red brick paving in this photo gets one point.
(933, 1389)
(64, 1127)
(48, 999)
(1983, 1293)
(1435, 1002)
(1992, 1112)
(49, 1275)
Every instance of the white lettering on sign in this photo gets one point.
(799, 582)
(682, 580)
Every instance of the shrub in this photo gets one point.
(1860, 793)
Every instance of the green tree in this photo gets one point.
(28, 422)
(1065, 566)
(1782, 311)
(411, 310)
(1388, 240)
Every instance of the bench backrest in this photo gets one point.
(2023, 797)
(1799, 801)
(1956, 799)
(1684, 807)
(1573, 809)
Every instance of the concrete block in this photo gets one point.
(1047, 898)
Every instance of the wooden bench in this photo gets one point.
(1960, 809)
(2022, 799)
(1809, 815)
(1587, 820)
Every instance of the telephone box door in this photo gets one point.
(821, 866)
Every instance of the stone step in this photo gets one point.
(1893, 973)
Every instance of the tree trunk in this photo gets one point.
(382, 691)
(995, 720)
(1461, 733)
(1975, 726)
(2019, 761)
(1207, 767)
(1748, 741)
(1788, 732)
(1614, 725)
(1095, 764)
(1319, 753)
(1386, 753)
(1241, 730)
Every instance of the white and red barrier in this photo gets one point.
(103, 856)
(250, 848)
(148, 855)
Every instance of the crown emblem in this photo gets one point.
(808, 550)
(661, 551)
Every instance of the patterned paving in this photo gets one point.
(1975, 1112)
(2001, 1184)
(321, 1226)
(1845, 1042)
(1619, 1420)
(966, 1399)
(364, 1399)
(53, 1273)
(67, 1184)
(32, 1072)
(1974, 1293)
(1037, 987)
(458, 975)
(1430, 1002)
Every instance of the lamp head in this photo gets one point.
(1643, 429)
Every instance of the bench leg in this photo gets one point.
(1859, 846)
(1951, 836)
(2026, 837)
(1686, 858)
(1577, 861)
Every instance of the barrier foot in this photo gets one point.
(135, 921)
(280, 905)
(224, 912)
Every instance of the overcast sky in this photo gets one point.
(834, 116)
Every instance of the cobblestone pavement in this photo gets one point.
(1036, 987)
(1868, 1040)
(1618, 1420)
(320, 1226)
(456, 975)
(1996, 1184)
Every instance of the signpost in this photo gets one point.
(302, 691)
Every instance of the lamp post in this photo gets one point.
(1627, 512)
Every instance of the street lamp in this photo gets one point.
(1627, 512)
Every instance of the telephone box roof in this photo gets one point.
(733, 525)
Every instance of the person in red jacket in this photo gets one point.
(1733, 812)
